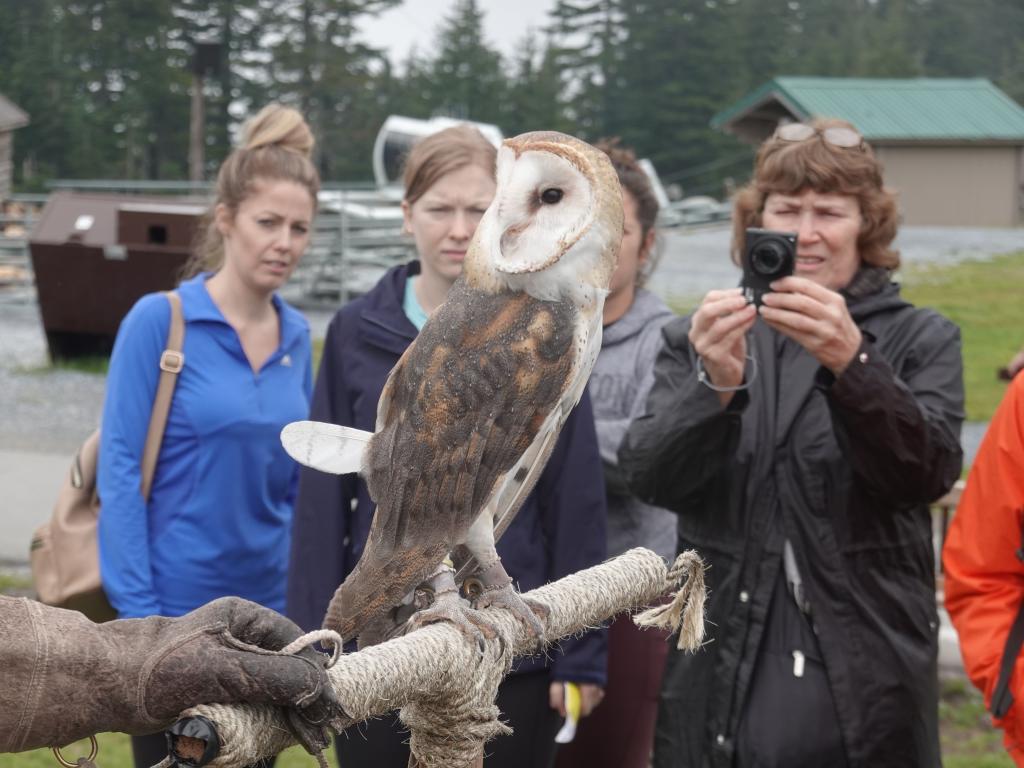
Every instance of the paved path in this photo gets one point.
(30, 483)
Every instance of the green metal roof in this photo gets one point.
(916, 109)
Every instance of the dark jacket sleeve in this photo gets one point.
(571, 495)
(900, 430)
(683, 437)
(323, 509)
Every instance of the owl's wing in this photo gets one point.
(516, 485)
(330, 448)
(464, 403)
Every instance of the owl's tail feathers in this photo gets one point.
(375, 587)
(336, 620)
(328, 447)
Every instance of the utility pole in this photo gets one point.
(206, 60)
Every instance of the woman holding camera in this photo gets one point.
(800, 442)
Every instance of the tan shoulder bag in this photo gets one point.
(64, 553)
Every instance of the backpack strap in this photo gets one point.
(171, 362)
(1002, 699)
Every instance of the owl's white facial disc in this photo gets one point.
(544, 205)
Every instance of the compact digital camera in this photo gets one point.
(768, 255)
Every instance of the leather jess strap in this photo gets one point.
(171, 362)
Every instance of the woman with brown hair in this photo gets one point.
(218, 518)
(800, 443)
(560, 529)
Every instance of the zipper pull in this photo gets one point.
(798, 664)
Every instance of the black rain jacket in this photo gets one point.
(845, 469)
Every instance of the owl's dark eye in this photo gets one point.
(551, 195)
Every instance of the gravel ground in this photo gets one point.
(51, 411)
(44, 410)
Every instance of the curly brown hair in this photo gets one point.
(790, 167)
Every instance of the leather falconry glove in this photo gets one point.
(64, 678)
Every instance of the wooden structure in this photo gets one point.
(11, 118)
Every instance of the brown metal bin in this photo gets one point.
(95, 255)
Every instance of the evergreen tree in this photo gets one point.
(466, 76)
(32, 77)
(316, 61)
(107, 82)
(534, 100)
(412, 94)
(590, 36)
(236, 26)
(766, 38)
(682, 67)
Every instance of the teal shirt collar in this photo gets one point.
(411, 305)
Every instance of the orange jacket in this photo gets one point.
(984, 577)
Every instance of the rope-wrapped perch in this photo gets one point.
(446, 687)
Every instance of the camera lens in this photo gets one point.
(767, 258)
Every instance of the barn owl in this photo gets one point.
(470, 413)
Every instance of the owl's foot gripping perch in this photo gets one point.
(448, 606)
(496, 590)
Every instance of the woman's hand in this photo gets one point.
(590, 696)
(717, 333)
(816, 318)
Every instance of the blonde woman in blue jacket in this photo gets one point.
(218, 518)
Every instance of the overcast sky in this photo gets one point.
(415, 22)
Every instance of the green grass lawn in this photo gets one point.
(11, 584)
(318, 352)
(968, 739)
(986, 299)
(91, 364)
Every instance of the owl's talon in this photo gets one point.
(451, 608)
(529, 612)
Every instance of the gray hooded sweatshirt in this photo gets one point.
(619, 383)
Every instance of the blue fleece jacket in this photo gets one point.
(560, 528)
(219, 515)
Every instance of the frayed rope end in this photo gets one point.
(685, 613)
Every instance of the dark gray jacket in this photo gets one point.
(844, 469)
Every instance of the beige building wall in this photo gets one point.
(955, 185)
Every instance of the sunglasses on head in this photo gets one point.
(837, 136)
